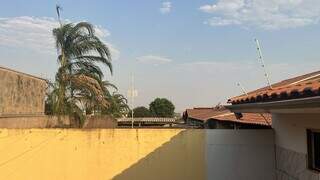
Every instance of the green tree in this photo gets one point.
(78, 84)
(140, 111)
(162, 107)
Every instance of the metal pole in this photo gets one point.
(263, 64)
(132, 99)
(245, 92)
(58, 8)
(242, 88)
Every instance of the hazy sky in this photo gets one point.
(191, 51)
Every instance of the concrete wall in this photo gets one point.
(100, 122)
(291, 145)
(240, 154)
(121, 154)
(136, 154)
(35, 121)
(20, 93)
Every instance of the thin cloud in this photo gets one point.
(166, 7)
(154, 60)
(35, 33)
(264, 14)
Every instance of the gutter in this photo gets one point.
(310, 103)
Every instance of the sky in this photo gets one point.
(191, 52)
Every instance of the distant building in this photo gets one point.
(221, 118)
(21, 94)
(146, 122)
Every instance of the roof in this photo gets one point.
(222, 114)
(21, 73)
(204, 114)
(247, 118)
(307, 85)
(151, 119)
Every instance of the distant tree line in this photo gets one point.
(160, 107)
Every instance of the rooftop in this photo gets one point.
(307, 85)
(222, 114)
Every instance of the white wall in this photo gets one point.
(240, 154)
(290, 130)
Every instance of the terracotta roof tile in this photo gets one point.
(204, 114)
(222, 114)
(247, 118)
(299, 87)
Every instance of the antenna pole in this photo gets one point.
(58, 9)
(132, 98)
(242, 88)
(132, 93)
(262, 62)
(245, 92)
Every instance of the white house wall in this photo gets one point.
(291, 145)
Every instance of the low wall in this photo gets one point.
(41, 121)
(100, 122)
(136, 154)
(121, 154)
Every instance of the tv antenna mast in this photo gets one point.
(58, 9)
(260, 58)
(132, 93)
(243, 89)
(246, 93)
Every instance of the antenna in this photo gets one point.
(58, 9)
(243, 89)
(245, 92)
(262, 62)
(132, 93)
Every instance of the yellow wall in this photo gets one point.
(45, 154)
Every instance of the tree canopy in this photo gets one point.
(141, 111)
(162, 107)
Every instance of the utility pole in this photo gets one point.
(260, 57)
(132, 93)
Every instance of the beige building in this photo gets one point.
(295, 108)
(21, 94)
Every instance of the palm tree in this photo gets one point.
(79, 78)
(118, 106)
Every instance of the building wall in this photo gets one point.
(20, 93)
(291, 145)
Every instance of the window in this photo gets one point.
(313, 149)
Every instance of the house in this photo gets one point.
(294, 105)
(222, 118)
